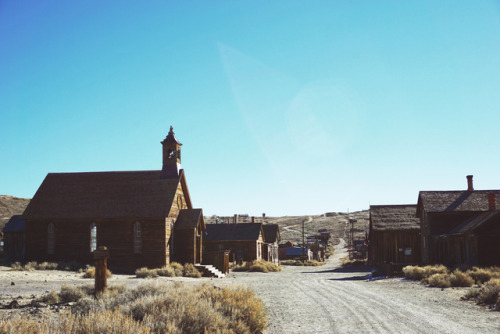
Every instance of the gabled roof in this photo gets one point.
(190, 218)
(455, 201)
(235, 232)
(140, 194)
(472, 224)
(271, 232)
(394, 217)
(15, 224)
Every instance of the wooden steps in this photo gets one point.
(209, 270)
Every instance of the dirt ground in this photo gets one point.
(324, 299)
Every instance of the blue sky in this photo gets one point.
(296, 107)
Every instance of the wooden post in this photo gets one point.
(100, 256)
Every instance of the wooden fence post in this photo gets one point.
(100, 256)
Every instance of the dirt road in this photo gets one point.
(329, 300)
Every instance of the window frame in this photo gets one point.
(137, 236)
(51, 239)
(93, 237)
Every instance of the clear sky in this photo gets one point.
(283, 107)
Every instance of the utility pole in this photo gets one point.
(303, 242)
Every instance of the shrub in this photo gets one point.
(488, 294)
(302, 263)
(16, 266)
(438, 280)
(483, 275)
(460, 279)
(90, 273)
(414, 272)
(49, 298)
(166, 271)
(190, 270)
(146, 273)
(177, 267)
(240, 267)
(263, 266)
(471, 294)
(71, 293)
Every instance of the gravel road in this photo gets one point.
(328, 299)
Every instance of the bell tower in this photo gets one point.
(171, 155)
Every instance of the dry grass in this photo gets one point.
(460, 279)
(33, 265)
(420, 273)
(257, 266)
(483, 275)
(144, 272)
(489, 292)
(190, 270)
(156, 308)
(171, 270)
(312, 263)
(438, 280)
(90, 273)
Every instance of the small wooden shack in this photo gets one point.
(14, 238)
(187, 237)
(394, 237)
(271, 241)
(244, 240)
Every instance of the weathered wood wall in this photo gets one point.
(392, 247)
(244, 250)
(14, 245)
(72, 242)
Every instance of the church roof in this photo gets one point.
(139, 194)
(189, 218)
(170, 139)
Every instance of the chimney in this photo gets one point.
(235, 219)
(253, 219)
(492, 201)
(470, 187)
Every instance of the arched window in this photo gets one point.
(93, 237)
(137, 238)
(51, 238)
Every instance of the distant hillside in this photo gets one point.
(334, 223)
(10, 206)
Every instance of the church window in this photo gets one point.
(51, 239)
(137, 238)
(93, 237)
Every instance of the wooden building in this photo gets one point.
(14, 238)
(244, 240)
(394, 238)
(271, 241)
(134, 214)
(440, 212)
(475, 242)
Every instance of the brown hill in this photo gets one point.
(9, 206)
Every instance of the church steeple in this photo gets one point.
(171, 155)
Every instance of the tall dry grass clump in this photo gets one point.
(170, 270)
(460, 279)
(257, 266)
(312, 263)
(190, 270)
(483, 275)
(33, 265)
(90, 272)
(420, 273)
(144, 272)
(438, 280)
(489, 292)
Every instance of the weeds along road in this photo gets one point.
(329, 300)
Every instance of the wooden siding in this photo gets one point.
(72, 242)
(14, 245)
(245, 250)
(393, 246)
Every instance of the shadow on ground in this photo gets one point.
(346, 269)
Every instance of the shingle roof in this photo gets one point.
(243, 231)
(15, 224)
(141, 194)
(189, 218)
(470, 225)
(447, 201)
(170, 138)
(394, 217)
(271, 232)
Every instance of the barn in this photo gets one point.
(145, 218)
(394, 238)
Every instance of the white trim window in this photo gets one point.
(51, 238)
(93, 237)
(137, 238)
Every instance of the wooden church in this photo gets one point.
(145, 218)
